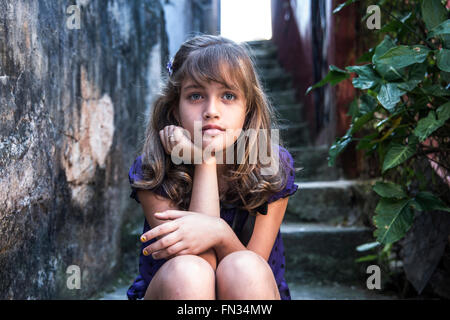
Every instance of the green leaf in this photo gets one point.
(367, 246)
(399, 153)
(334, 76)
(427, 126)
(403, 56)
(417, 71)
(436, 90)
(426, 201)
(443, 60)
(443, 28)
(370, 257)
(360, 122)
(433, 13)
(382, 122)
(367, 141)
(381, 49)
(408, 85)
(433, 121)
(353, 110)
(366, 57)
(389, 96)
(396, 25)
(393, 219)
(368, 104)
(366, 76)
(389, 190)
(343, 5)
(443, 112)
(337, 148)
(392, 26)
(360, 107)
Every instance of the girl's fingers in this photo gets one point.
(172, 214)
(163, 243)
(159, 230)
(171, 137)
(163, 140)
(184, 251)
(170, 251)
(166, 138)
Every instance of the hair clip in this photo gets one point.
(169, 67)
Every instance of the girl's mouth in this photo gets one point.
(212, 132)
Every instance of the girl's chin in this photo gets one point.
(214, 144)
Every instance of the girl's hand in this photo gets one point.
(173, 135)
(187, 233)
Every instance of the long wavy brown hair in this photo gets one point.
(205, 58)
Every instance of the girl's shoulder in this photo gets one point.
(136, 174)
(286, 164)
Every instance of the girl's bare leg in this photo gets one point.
(244, 275)
(185, 277)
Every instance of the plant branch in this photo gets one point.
(434, 150)
(435, 161)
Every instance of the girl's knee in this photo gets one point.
(245, 262)
(245, 275)
(185, 277)
(188, 266)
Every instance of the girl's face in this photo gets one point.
(211, 103)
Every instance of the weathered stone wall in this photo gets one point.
(72, 112)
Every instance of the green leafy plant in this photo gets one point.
(403, 102)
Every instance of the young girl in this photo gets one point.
(212, 227)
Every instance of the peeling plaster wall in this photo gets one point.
(71, 118)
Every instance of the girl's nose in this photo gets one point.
(211, 109)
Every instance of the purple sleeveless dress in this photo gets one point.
(149, 266)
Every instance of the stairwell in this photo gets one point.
(323, 223)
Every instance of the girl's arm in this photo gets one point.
(205, 198)
(264, 233)
(152, 203)
(205, 191)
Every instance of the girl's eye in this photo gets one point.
(229, 96)
(194, 96)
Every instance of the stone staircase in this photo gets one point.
(323, 222)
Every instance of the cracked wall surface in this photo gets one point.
(71, 106)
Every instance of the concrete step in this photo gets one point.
(340, 202)
(278, 82)
(271, 72)
(267, 52)
(335, 292)
(314, 161)
(263, 63)
(323, 253)
(298, 291)
(282, 97)
(292, 112)
(260, 43)
(294, 134)
(119, 293)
